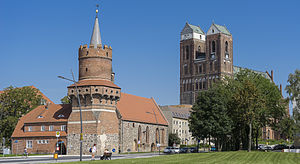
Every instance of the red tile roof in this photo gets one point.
(52, 114)
(140, 109)
(95, 82)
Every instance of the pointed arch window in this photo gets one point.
(187, 52)
(139, 133)
(163, 136)
(226, 50)
(147, 134)
(213, 46)
(157, 136)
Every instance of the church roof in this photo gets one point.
(43, 114)
(140, 109)
(95, 82)
(96, 36)
(196, 29)
(237, 69)
(222, 29)
(189, 28)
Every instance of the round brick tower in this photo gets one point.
(95, 62)
(98, 98)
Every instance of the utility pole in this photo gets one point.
(78, 99)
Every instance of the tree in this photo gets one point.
(293, 89)
(65, 100)
(247, 99)
(14, 103)
(173, 138)
(209, 116)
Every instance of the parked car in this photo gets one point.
(267, 147)
(193, 149)
(280, 147)
(183, 150)
(175, 150)
(168, 150)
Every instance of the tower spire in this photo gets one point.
(96, 36)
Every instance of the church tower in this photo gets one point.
(219, 49)
(192, 57)
(203, 59)
(98, 98)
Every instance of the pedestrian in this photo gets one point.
(94, 150)
(25, 152)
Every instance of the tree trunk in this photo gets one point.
(250, 137)
(209, 143)
(257, 138)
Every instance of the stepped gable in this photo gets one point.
(140, 109)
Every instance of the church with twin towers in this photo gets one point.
(204, 58)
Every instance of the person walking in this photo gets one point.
(25, 152)
(94, 150)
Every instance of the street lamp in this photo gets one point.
(157, 144)
(81, 135)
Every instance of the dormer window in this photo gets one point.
(29, 128)
(61, 115)
(40, 116)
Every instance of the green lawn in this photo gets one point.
(234, 157)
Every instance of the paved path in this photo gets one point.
(67, 158)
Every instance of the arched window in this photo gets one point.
(157, 136)
(187, 54)
(200, 68)
(163, 136)
(147, 134)
(213, 46)
(139, 133)
(226, 50)
(226, 46)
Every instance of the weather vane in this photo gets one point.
(97, 10)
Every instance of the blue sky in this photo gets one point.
(40, 40)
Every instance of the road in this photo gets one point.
(67, 158)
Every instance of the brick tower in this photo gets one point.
(203, 59)
(98, 97)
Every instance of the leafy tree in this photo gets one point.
(293, 89)
(209, 117)
(65, 100)
(14, 103)
(173, 138)
(248, 100)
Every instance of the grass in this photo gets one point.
(234, 157)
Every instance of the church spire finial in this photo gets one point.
(96, 37)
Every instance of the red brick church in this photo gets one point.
(111, 119)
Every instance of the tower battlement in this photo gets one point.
(101, 51)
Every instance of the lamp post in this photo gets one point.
(78, 99)
(158, 130)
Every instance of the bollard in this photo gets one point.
(55, 156)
